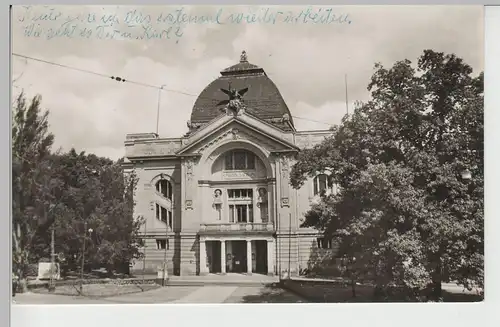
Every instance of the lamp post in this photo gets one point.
(52, 287)
(158, 110)
(90, 230)
(96, 173)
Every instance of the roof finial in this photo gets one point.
(243, 57)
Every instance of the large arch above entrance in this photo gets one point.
(214, 152)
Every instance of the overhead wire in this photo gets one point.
(120, 79)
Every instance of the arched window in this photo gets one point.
(164, 187)
(239, 160)
(320, 183)
(164, 215)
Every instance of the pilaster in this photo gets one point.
(223, 256)
(270, 257)
(203, 258)
(249, 256)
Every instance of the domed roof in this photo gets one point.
(262, 99)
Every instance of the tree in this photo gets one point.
(403, 208)
(31, 189)
(67, 192)
(96, 197)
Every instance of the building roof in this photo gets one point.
(262, 100)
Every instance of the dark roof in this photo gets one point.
(262, 100)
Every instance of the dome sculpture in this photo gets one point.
(242, 86)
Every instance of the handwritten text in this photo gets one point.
(122, 24)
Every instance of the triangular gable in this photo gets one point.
(248, 122)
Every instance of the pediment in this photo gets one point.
(243, 127)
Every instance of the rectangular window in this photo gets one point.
(250, 213)
(170, 219)
(231, 213)
(157, 211)
(240, 193)
(239, 160)
(161, 244)
(320, 183)
(163, 216)
(324, 243)
(241, 211)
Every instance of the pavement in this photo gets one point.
(230, 288)
(175, 294)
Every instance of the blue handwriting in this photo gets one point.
(50, 22)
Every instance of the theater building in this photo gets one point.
(218, 199)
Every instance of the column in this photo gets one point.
(203, 258)
(249, 256)
(223, 256)
(270, 257)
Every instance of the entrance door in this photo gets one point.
(239, 257)
(261, 257)
(215, 254)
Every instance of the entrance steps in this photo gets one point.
(229, 279)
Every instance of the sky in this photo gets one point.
(307, 61)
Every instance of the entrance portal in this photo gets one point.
(261, 257)
(214, 259)
(236, 257)
(240, 256)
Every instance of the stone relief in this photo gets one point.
(189, 168)
(236, 134)
(286, 160)
(218, 139)
(285, 166)
(285, 202)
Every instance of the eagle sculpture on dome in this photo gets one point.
(235, 101)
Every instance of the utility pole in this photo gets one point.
(46, 212)
(52, 260)
(158, 110)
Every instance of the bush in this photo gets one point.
(32, 270)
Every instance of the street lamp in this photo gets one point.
(96, 173)
(52, 286)
(90, 230)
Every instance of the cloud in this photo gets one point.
(308, 63)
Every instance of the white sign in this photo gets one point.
(44, 270)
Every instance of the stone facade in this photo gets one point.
(219, 200)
